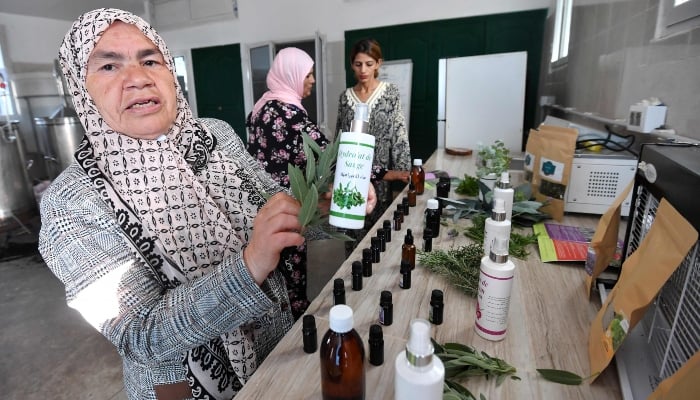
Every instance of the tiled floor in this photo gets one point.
(50, 352)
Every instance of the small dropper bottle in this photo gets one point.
(356, 275)
(338, 291)
(387, 230)
(376, 345)
(367, 262)
(386, 308)
(408, 249)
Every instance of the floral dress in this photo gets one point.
(392, 150)
(274, 140)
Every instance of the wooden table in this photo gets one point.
(548, 324)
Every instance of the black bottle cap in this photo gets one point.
(309, 322)
(436, 297)
(375, 332)
(367, 254)
(385, 297)
(404, 200)
(386, 224)
(408, 239)
(338, 284)
(356, 268)
(405, 266)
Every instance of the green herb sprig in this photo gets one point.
(310, 186)
(517, 245)
(469, 186)
(462, 361)
(459, 266)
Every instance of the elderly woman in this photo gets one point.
(275, 128)
(159, 230)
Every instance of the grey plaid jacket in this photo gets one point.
(108, 282)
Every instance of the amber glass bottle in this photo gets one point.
(342, 358)
(418, 175)
(411, 194)
(408, 249)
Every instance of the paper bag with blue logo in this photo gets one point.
(553, 168)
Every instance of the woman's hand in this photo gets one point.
(275, 227)
(371, 199)
(393, 175)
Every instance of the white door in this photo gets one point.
(485, 100)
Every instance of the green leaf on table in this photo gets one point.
(560, 376)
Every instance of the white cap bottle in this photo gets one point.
(496, 226)
(493, 298)
(342, 357)
(503, 190)
(419, 374)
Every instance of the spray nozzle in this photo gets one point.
(419, 338)
(499, 250)
(361, 112)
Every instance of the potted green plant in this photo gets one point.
(491, 162)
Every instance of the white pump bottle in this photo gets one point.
(419, 373)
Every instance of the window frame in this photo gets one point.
(674, 20)
(561, 32)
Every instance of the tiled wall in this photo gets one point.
(614, 62)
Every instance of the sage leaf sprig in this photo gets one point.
(459, 266)
(462, 361)
(307, 187)
(564, 377)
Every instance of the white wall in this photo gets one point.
(35, 41)
(275, 20)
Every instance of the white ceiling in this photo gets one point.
(66, 9)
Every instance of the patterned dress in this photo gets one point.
(387, 124)
(274, 139)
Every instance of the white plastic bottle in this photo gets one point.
(496, 226)
(352, 174)
(493, 298)
(504, 190)
(419, 374)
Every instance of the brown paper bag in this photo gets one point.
(662, 250)
(532, 158)
(604, 243)
(554, 168)
(683, 385)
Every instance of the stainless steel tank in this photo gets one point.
(63, 134)
(17, 202)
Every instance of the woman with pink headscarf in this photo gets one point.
(275, 128)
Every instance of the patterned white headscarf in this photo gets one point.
(184, 205)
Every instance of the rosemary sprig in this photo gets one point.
(459, 266)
